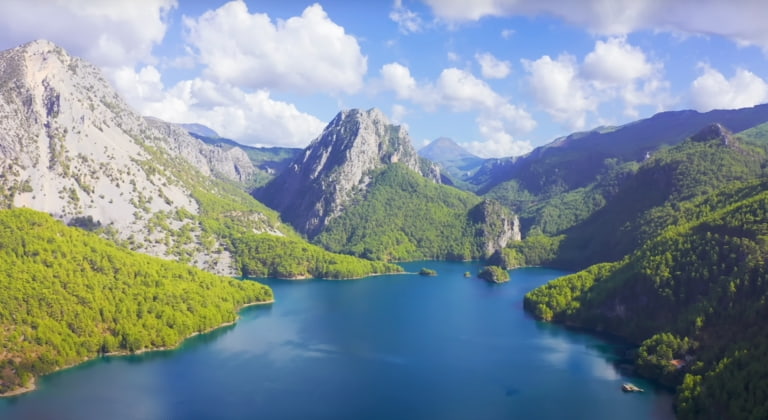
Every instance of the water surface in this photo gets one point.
(401, 346)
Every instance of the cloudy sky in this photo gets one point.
(497, 76)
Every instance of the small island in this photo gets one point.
(427, 272)
(631, 388)
(494, 274)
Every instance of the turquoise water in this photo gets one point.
(388, 347)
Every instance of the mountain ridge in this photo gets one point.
(455, 161)
(318, 184)
(70, 146)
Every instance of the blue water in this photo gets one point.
(388, 347)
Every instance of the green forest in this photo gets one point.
(232, 217)
(404, 217)
(67, 295)
(695, 294)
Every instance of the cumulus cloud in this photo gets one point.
(108, 33)
(557, 88)
(740, 20)
(616, 62)
(398, 113)
(407, 20)
(711, 90)
(308, 53)
(491, 67)
(253, 118)
(615, 70)
(498, 143)
(459, 91)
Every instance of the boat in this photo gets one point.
(631, 388)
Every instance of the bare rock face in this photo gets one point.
(496, 226)
(712, 132)
(230, 163)
(71, 147)
(337, 166)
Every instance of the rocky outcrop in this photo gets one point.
(712, 132)
(71, 147)
(337, 166)
(496, 226)
(228, 162)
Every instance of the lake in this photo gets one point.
(386, 347)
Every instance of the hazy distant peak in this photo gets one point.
(445, 149)
(200, 130)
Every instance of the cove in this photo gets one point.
(399, 346)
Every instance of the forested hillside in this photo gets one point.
(575, 161)
(403, 216)
(68, 295)
(695, 294)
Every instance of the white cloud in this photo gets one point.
(498, 143)
(251, 118)
(615, 70)
(308, 53)
(107, 33)
(491, 67)
(556, 87)
(616, 62)
(397, 77)
(398, 113)
(740, 20)
(507, 33)
(459, 91)
(711, 90)
(407, 20)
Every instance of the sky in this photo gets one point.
(499, 77)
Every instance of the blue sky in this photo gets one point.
(498, 76)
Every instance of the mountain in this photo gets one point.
(403, 216)
(694, 298)
(458, 164)
(675, 262)
(361, 189)
(269, 161)
(229, 163)
(71, 147)
(200, 130)
(649, 199)
(576, 160)
(318, 185)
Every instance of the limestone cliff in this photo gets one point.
(496, 226)
(70, 146)
(336, 167)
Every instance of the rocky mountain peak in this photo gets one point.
(337, 165)
(70, 146)
(715, 131)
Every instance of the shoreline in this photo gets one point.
(33, 382)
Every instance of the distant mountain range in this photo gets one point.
(457, 163)
(575, 161)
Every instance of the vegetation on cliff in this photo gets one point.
(403, 216)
